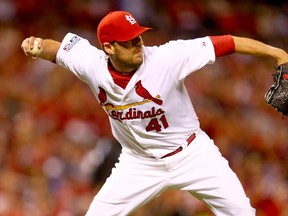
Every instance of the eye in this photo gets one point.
(136, 40)
(125, 44)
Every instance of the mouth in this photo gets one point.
(138, 51)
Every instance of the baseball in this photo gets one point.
(35, 51)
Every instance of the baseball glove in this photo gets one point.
(277, 94)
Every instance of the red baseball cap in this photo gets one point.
(119, 26)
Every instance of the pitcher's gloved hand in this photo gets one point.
(277, 94)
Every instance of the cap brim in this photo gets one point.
(134, 34)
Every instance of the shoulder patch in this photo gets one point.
(69, 45)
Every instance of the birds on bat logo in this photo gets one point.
(140, 91)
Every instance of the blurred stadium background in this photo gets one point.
(56, 148)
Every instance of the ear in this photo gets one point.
(108, 48)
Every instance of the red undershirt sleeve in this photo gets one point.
(223, 45)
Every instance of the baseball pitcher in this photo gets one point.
(141, 88)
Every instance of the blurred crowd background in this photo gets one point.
(56, 148)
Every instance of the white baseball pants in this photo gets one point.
(199, 169)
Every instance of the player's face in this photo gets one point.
(127, 56)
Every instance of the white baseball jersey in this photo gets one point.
(152, 125)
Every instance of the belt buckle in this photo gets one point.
(182, 147)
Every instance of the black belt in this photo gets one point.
(189, 140)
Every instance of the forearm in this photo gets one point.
(49, 50)
(257, 48)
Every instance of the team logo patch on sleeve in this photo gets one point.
(69, 45)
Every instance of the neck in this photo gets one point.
(122, 67)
